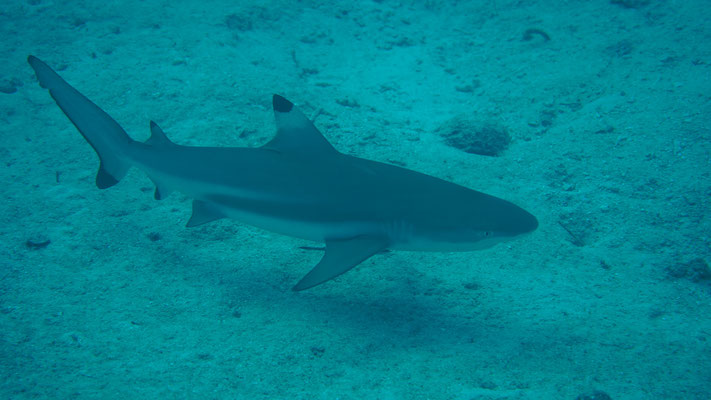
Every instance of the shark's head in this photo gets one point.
(501, 221)
(476, 221)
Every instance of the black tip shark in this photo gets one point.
(299, 185)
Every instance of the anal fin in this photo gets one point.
(203, 212)
(161, 191)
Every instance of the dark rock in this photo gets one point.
(239, 23)
(488, 385)
(532, 33)
(696, 270)
(346, 102)
(317, 351)
(620, 49)
(596, 395)
(475, 137)
(38, 242)
(10, 86)
(630, 3)
(7, 88)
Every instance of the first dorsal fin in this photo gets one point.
(296, 134)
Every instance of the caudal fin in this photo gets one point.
(108, 139)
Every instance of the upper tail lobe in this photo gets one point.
(105, 135)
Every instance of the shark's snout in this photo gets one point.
(512, 220)
(529, 223)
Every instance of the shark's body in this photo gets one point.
(299, 185)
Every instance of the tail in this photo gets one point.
(108, 139)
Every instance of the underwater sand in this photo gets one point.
(610, 118)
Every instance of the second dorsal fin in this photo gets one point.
(158, 137)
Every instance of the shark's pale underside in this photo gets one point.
(299, 185)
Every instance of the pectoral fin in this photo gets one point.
(341, 255)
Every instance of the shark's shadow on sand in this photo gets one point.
(392, 310)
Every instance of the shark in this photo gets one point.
(298, 184)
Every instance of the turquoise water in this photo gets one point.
(106, 294)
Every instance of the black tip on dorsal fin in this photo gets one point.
(281, 104)
(296, 134)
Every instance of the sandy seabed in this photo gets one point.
(105, 294)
